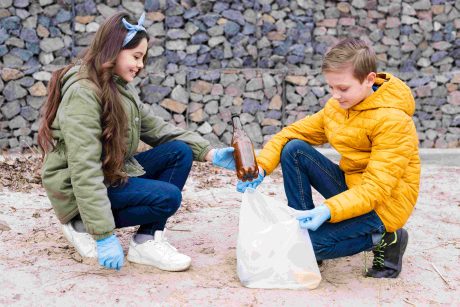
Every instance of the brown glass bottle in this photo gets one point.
(245, 158)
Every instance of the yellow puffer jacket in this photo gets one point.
(378, 145)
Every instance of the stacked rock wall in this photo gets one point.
(258, 58)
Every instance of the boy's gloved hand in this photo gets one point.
(314, 218)
(241, 186)
(223, 157)
(110, 253)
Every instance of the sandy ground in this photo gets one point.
(38, 267)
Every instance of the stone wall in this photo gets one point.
(261, 59)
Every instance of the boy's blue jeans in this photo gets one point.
(303, 168)
(149, 200)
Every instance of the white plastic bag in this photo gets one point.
(272, 250)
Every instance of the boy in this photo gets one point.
(371, 194)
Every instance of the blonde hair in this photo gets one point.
(354, 52)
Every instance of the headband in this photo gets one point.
(133, 29)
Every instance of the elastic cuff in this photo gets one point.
(201, 157)
(102, 236)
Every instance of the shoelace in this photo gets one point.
(379, 252)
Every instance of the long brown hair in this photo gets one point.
(99, 61)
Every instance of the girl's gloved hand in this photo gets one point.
(110, 253)
(223, 157)
(314, 218)
(241, 186)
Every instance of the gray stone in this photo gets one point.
(13, 142)
(216, 31)
(17, 122)
(199, 38)
(156, 30)
(268, 81)
(177, 34)
(51, 44)
(422, 5)
(23, 54)
(3, 35)
(215, 41)
(62, 16)
(13, 90)
(257, 95)
(29, 113)
(254, 132)
(29, 35)
(192, 12)
(35, 102)
(212, 107)
(180, 94)
(176, 45)
(4, 4)
(450, 109)
(10, 23)
(3, 50)
(159, 111)
(254, 85)
(11, 109)
(22, 131)
(226, 79)
(105, 10)
(231, 28)
(155, 93)
(134, 7)
(205, 128)
(174, 21)
(219, 128)
(235, 16)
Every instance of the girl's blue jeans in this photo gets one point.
(303, 168)
(149, 200)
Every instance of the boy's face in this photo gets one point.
(348, 90)
(130, 61)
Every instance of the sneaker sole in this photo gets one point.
(141, 260)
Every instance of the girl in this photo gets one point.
(91, 126)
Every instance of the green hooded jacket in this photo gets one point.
(72, 173)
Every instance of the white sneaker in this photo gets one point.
(158, 253)
(82, 241)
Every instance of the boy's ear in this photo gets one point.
(370, 79)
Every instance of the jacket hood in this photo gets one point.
(77, 73)
(392, 93)
(72, 76)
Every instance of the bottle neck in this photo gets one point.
(237, 123)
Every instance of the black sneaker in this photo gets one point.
(388, 255)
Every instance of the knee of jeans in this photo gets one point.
(185, 151)
(320, 244)
(291, 147)
(173, 199)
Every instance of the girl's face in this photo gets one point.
(348, 90)
(130, 61)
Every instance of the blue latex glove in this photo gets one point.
(110, 253)
(223, 157)
(241, 186)
(312, 219)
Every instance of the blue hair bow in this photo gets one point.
(133, 29)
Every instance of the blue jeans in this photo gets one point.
(303, 168)
(149, 200)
